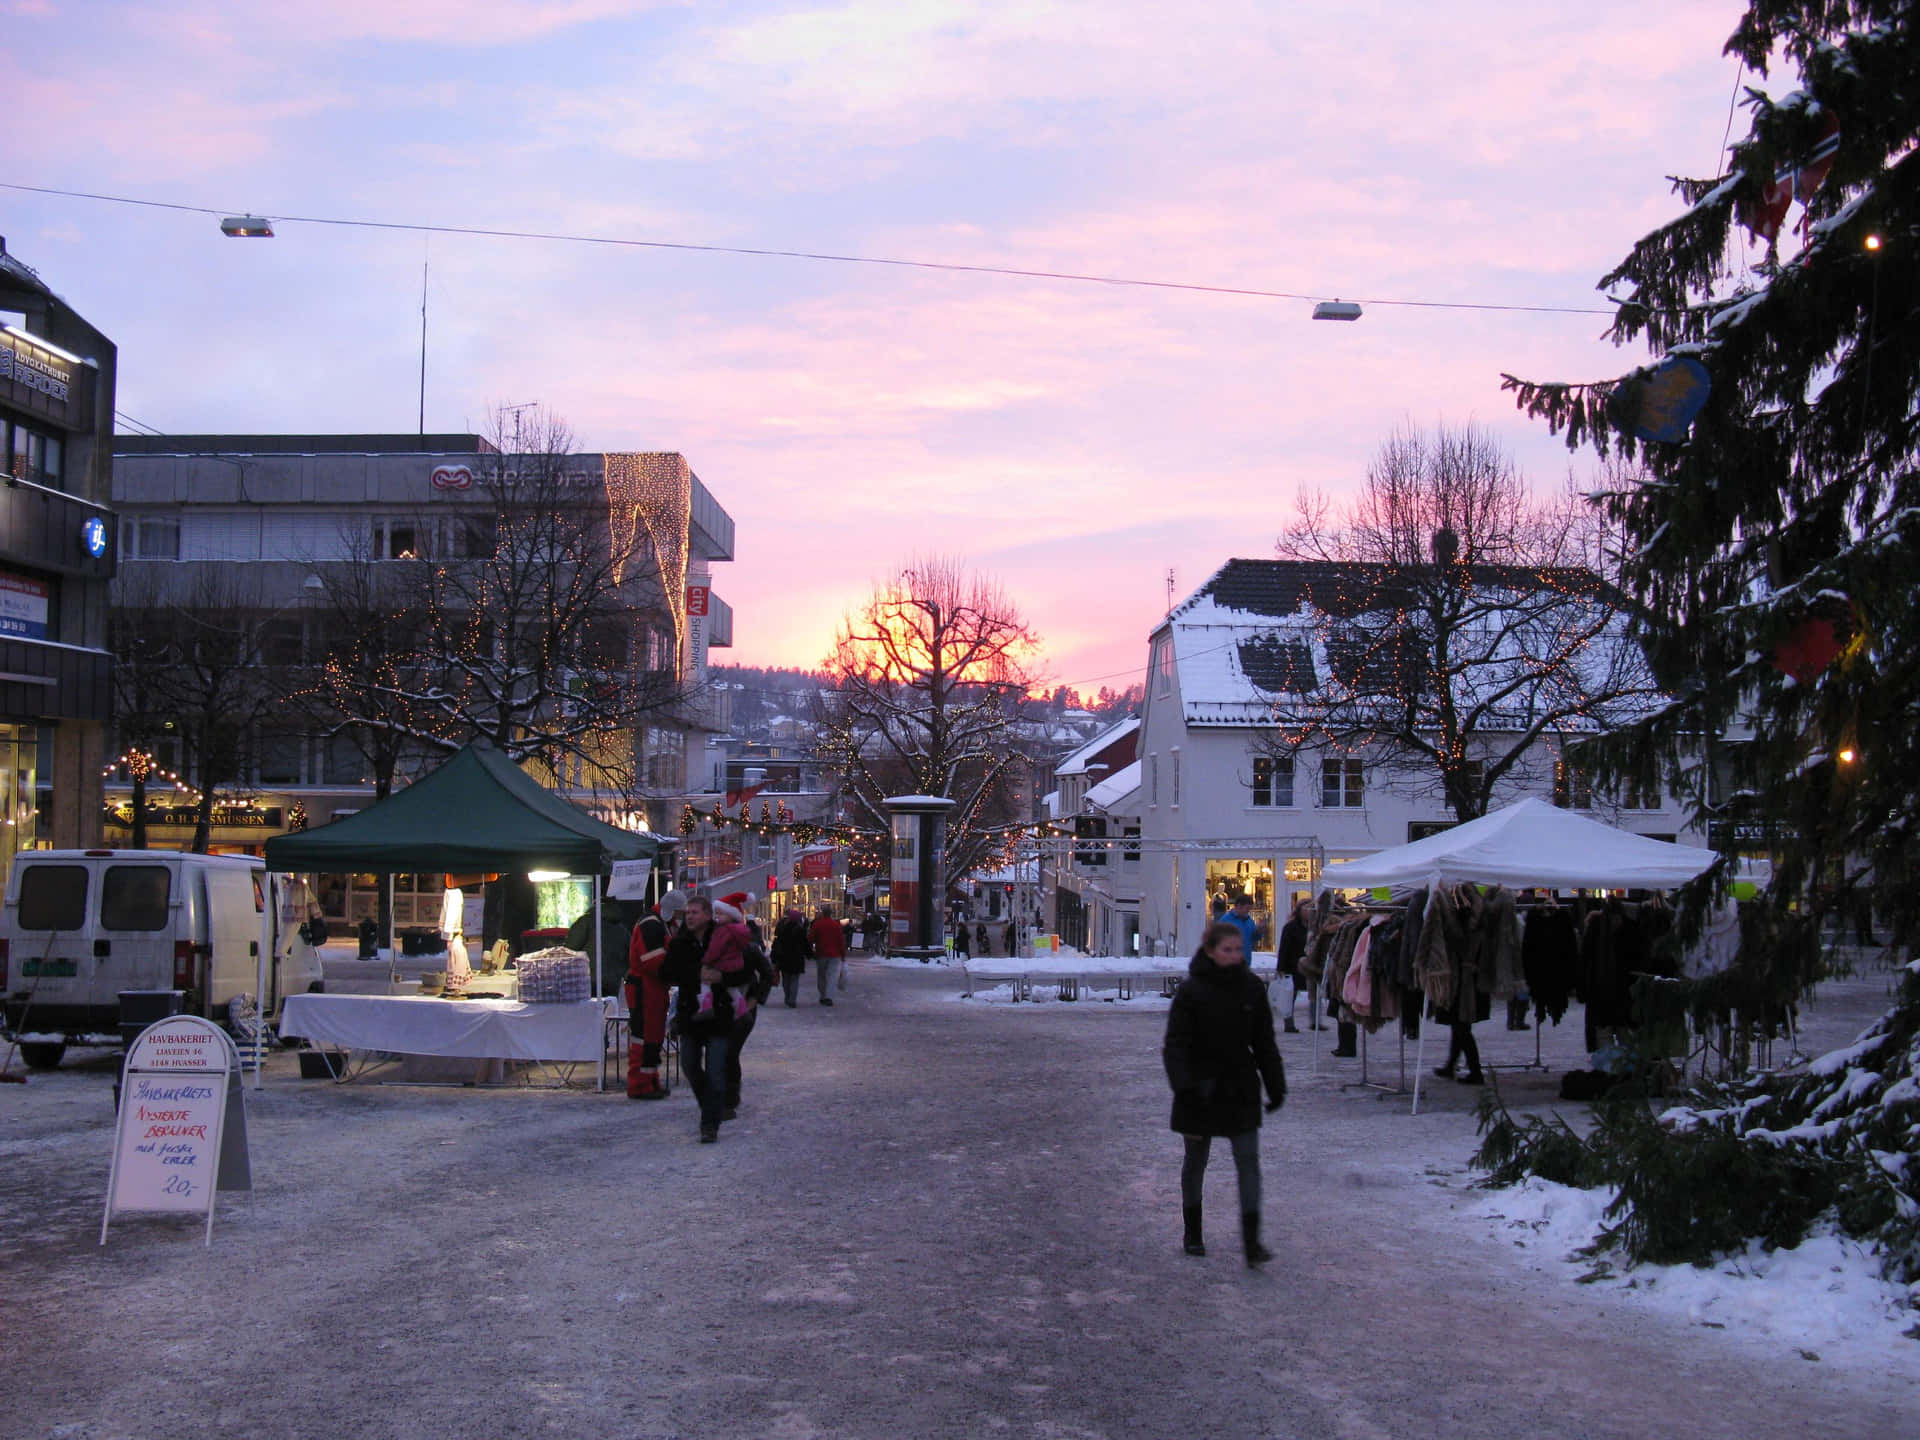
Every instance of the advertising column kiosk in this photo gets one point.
(918, 875)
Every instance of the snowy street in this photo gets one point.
(934, 1217)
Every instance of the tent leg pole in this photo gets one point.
(596, 982)
(269, 955)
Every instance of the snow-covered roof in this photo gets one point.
(1076, 763)
(1052, 801)
(1118, 793)
(1260, 633)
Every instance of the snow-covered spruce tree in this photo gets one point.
(1774, 545)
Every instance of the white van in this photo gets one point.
(80, 926)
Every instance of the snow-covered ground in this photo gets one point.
(930, 1218)
(1823, 1299)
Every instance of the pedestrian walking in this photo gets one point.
(705, 1035)
(982, 946)
(962, 940)
(1293, 947)
(830, 951)
(792, 949)
(1219, 1050)
(1240, 916)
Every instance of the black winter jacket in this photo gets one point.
(792, 947)
(1219, 1048)
(681, 969)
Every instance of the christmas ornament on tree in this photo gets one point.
(688, 821)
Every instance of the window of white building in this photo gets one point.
(1572, 786)
(1163, 667)
(1153, 779)
(1176, 777)
(1343, 782)
(1273, 780)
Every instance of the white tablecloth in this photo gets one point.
(468, 1029)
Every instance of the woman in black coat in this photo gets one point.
(1219, 1049)
(792, 949)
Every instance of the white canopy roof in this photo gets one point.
(1525, 846)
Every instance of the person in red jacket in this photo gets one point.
(647, 999)
(829, 938)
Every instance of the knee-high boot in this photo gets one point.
(1195, 1242)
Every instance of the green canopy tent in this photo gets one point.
(477, 812)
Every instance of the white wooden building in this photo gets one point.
(1222, 813)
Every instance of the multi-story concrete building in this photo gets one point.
(269, 524)
(57, 556)
(1227, 811)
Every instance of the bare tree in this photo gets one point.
(521, 622)
(1458, 622)
(201, 650)
(925, 673)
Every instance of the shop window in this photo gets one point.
(1273, 780)
(53, 897)
(1572, 786)
(134, 897)
(1343, 782)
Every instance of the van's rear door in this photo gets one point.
(137, 906)
(50, 954)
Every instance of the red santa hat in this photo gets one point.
(738, 899)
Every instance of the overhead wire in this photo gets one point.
(770, 252)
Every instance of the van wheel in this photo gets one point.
(42, 1054)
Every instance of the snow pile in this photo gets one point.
(1824, 1296)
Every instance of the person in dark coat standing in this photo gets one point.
(1293, 947)
(1219, 1051)
(792, 949)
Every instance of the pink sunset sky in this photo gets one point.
(1077, 441)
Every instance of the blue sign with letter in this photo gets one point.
(93, 535)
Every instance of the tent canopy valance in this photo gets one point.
(1528, 845)
(478, 811)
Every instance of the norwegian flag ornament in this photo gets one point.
(1764, 216)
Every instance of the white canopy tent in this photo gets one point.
(1525, 846)
(1530, 845)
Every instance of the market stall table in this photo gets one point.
(573, 1033)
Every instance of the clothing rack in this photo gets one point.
(1364, 1083)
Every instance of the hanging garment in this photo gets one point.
(1356, 992)
(1501, 970)
(1549, 961)
(1717, 947)
(1440, 938)
(1405, 962)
